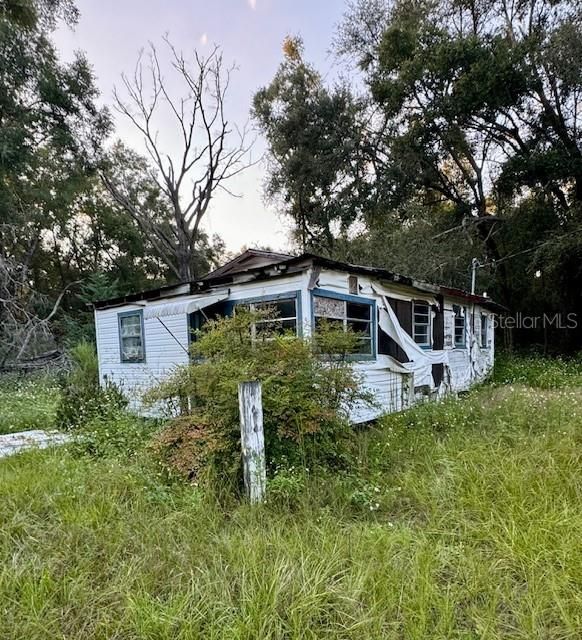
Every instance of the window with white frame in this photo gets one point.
(484, 330)
(421, 323)
(357, 316)
(131, 336)
(460, 325)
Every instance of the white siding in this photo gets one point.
(166, 346)
(162, 351)
(472, 363)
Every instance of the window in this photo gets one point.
(353, 285)
(484, 328)
(131, 336)
(283, 312)
(358, 316)
(421, 323)
(198, 319)
(460, 315)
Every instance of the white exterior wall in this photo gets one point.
(162, 352)
(165, 349)
(392, 390)
(467, 365)
(471, 363)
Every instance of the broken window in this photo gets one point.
(282, 316)
(357, 316)
(131, 336)
(279, 315)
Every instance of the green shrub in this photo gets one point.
(307, 396)
(287, 486)
(82, 397)
(113, 434)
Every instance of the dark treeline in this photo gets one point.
(460, 140)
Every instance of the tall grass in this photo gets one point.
(538, 371)
(458, 520)
(27, 403)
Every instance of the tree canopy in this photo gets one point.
(466, 138)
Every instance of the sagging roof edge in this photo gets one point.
(287, 267)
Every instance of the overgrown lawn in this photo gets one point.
(457, 520)
(27, 403)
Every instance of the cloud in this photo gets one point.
(252, 4)
(204, 39)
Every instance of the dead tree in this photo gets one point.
(210, 151)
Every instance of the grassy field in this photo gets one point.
(27, 403)
(459, 520)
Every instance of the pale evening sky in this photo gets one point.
(112, 32)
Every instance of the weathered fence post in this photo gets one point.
(252, 439)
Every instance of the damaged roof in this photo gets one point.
(255, 264)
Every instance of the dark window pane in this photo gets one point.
(358, 310)
(285, 308)
(359, 326)
(364, 346)
(289, 325)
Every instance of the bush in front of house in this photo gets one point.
(308, 389)
(82, 397)
(96, 414)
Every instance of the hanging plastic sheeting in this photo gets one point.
(421, 360)
(183, 307)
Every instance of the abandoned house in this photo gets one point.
(418, 340)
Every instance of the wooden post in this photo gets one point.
(252, 440)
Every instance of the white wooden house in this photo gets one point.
(419, 341)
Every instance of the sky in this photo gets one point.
(250, 32)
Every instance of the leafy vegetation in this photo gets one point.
(459, 138)
(82, 398)
(307, 394)
(536, 371)
(455, 520)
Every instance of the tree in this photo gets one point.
(480, 103)
(50, 136)
(316, 160)
(212, 152)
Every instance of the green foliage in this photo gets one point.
(28, 402)
(537, 371)
(317, 166)
(287, 486)
(462, 140)
(113, 433)
(82, 397)
(307, 393)
(476, 535)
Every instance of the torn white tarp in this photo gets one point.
(183, 306)
(421, 360)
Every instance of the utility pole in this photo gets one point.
(474, 266)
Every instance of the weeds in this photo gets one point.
(27, 403)
(456, 520)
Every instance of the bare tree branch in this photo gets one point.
(211, 153)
